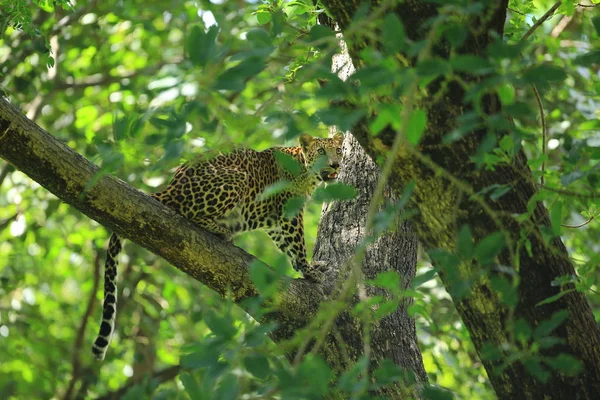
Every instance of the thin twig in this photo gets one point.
(580, 225)
(515, 11)
(589, 196)
(78, 345)
(544, 129)
(543, 19)
(108, 79)
(538, 23)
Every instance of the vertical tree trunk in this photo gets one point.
(342, 228)
(447, 196)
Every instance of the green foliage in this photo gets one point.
(140, 86)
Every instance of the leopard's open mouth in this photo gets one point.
(328, 176)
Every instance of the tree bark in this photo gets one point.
(446, 199)
(341, 231)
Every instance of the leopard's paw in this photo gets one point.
(315, 271)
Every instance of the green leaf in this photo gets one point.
(259, 38)
(343, 118)
(422, 278)
(201, 47)
(554, 298)
(588, 59)
(491, 352)
(565, 364)
(571, 177)
(416, 126)
(204, 356)
(288, 162)
(388, 114)
(274, 189)
(556, 217)
(321, 36)
(499, 192)
(489, 247)
(500, 50)
(371, 78)
(263, 278)
(596, 23)
(506, 93)
(317, 374)
(535, 368)
(292, 206)
(393, 33)
(257, 365)
(433, 67)
(333, 192)
(471, 64)
(432, 392)
(235, 78)
(464, 243)
(455, 33)
(387, 372)
(228, 389)
(191, 386)
(506, 291)
(263, 16)
(522, 330)
(546, 327)
(220, 325)
(569, 7)
(386, 280)
(258, 335)
(545, 73)
(349, 381)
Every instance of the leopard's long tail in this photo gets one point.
(109, 308)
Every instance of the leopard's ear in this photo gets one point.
(305, 140)
(338, 137)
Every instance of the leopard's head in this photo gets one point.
(322, 155)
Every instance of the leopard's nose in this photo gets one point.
(334, 165)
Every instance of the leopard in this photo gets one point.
(226, 194)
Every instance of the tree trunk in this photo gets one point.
(446, 198)
(341, 231)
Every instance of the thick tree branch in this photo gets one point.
(134, 215)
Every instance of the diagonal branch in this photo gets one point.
(136, 216)
(542, 19)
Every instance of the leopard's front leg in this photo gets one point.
(288, 235)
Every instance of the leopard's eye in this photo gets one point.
(338, 150)
(321, 150)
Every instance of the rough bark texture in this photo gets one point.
(443, 207)
(341, 231)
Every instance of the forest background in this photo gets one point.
(137, 87)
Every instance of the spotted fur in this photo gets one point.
(222, 195)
